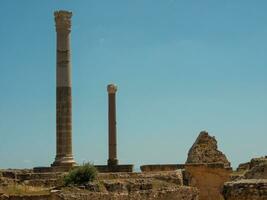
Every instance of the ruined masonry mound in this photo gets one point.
(205, 150)
(258, 169)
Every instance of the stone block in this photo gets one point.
(161, 167)
(114, 168)
(208, 178)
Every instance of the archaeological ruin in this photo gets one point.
(64, 156)
(112, 162)
(206, 175)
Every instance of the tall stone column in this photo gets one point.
(64, 155)
(112, 131)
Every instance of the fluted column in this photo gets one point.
(64, 156)
(112, 131)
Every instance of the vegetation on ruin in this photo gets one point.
(81, 175)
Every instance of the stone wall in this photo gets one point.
(257, 161)
(163, 185)
(28, 177)
(208, 178)
(243, 167)
(164, 167)
(250, 189)
(257, 172)
(252, 184)
(114, 168)
(181, 193)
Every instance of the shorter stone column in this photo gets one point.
(112, 130)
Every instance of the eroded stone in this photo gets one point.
(205, 150)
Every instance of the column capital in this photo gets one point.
(63, 20)
(112, 88)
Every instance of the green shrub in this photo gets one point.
(81, 175)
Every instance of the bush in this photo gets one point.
(81, 175)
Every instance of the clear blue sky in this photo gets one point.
(181, 66)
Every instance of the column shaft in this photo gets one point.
(112, 127)
(112, 130)
(64, 155)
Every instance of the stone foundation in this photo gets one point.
(100, 168)
(29, 178)
(181, 193)
(52, 169)
(165, 167)
(114, 168)
(109, 186)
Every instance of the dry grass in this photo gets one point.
(17, 189)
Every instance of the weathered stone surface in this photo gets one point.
(252, 182)
(249, 189)
(139, 185)
(64, 156)
(114, 168)
(208, 178)
(205, 150)
(258, 171)
(111, 186)
(180, 193)
(255, 169)
(243, 167)
(93, 187)
(114, 186)
(130, 185)
(164, 167)
(257, 161)
(29, 178)
(14, 173)
(168, 176)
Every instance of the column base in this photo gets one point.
(113, 162)
(64, 161)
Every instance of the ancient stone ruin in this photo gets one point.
(205, 150)
(64, 155)
(206, 175)
(249, 182)
(113, 162)
(109, 186)
(207, 168)
(257, 169)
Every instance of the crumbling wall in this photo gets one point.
(207, 168)
(249, 189)
(111, 186)
(257, 172)
(208, 178)
(181, 193)
(252, 184)
(205, 150)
